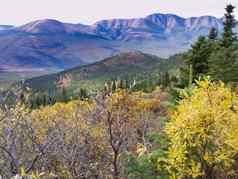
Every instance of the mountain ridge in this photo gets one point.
(111, 28)
(52, 44)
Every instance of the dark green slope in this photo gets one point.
(133, 65)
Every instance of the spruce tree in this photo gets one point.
(113, 86)
(224, 65)
(64, 97)
(223, 62)
(196, 60)
(83, 94)
(165, 80)
(228, 35)
(213, 33)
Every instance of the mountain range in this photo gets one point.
(52, 44)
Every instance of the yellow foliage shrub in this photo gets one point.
(204, 132)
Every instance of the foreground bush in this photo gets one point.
(203, 133)
(78, 139)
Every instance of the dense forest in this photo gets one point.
(178, 123)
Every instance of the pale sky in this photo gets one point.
(18, 12)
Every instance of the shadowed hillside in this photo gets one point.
(133, 65)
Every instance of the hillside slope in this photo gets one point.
(133, 65)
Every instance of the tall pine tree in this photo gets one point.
(196, 60)
(228, 35)
(223, 62)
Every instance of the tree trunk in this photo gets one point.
(190, 75)
(116, 174)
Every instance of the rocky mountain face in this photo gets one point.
(152, 26)
(155, 26)
(53, 44)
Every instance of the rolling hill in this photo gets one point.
(133, 65)
(53, 44)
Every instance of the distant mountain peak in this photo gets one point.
(51, 43)
(43, 26)
(126, 29)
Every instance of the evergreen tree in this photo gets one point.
(228, 36)
(224, 65)
(64, 96)
(165, 80)
(22, 98)
(213, 33)
(83, 94)
(45, 100)
(196, 60)
(198, 57)
(223, 62)
(38, 101)
(127, 83)
(114, 86)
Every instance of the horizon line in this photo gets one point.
(110, 19)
